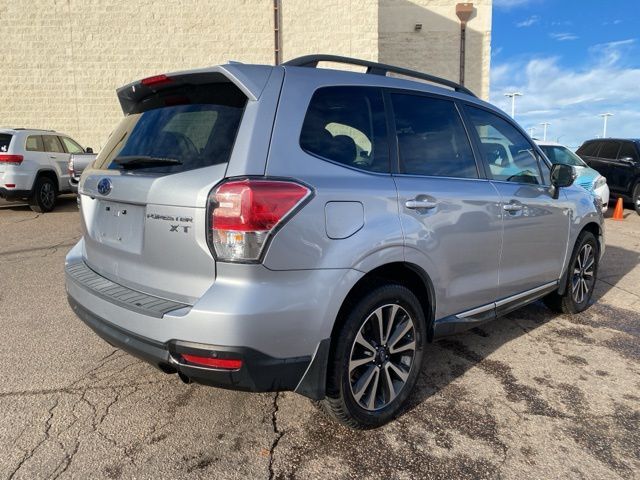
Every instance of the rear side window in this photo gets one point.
(431, 138)
(52, 144)
(196, 128)
(588, 149)
(609, 150)
(5, 140)
(347, 125)
(507, 152)
(34, 143)
(628, 150)
(71, 146)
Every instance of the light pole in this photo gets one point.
(544, 131)
(513, 96)
(531, 131)
(604, 127)
(464, 11)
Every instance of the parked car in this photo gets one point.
(76, 165)
(588, 178)
(314, 234)
(33, 166)
(618, 160)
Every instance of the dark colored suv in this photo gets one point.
(619, 161)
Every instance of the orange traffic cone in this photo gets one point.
(617, 213)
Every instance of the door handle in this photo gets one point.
(512, 207)
(53, 156)
(414, 204)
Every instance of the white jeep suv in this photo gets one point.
(33, 166)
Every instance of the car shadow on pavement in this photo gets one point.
(64, 203)
(451, 357)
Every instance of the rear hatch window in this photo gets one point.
(5, 140)
(180, 129)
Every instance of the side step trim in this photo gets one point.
(471, 318)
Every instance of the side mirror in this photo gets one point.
(88, 150)
(562, 176)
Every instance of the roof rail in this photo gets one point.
(374, 68)
(36, 129)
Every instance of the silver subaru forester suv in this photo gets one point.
(271, 228)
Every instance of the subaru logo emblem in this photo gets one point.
(104, 186)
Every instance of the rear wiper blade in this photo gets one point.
(144, 161)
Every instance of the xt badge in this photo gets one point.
(185, 228)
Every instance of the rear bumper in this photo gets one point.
(259, 372)
(12, 194)
(277, 322)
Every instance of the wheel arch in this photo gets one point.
(596, 229)
(46, 172)
(406, 274)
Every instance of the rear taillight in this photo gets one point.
(243, 213)
(14, 159)
(70, 167)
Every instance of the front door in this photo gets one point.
(623, 170)
(535, 225)
(450, 216)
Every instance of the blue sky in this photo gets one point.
(571, 59)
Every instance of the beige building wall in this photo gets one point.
(61, 60)
(435, 48)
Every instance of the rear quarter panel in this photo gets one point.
(303, 242)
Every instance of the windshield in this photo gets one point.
(562, 155)
(176, 138)
(5, 140)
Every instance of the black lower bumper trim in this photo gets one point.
(11, 194)
(259, 372)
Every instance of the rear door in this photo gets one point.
(536, 226)
(144, 199)
(449, 214)
(607, 157)
(57, 158)
(624, 170)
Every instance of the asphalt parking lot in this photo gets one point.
(532, 395)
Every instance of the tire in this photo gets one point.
(355, 370)
(581, 279)
(44, 195)
(636, 198)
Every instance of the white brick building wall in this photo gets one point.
(61, 60)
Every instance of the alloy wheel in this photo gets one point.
(47, 195)
(382, 356)
(583, 273)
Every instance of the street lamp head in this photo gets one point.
(464, 11)
(513, 94)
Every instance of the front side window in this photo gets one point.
(347, 125)
(431, 138)
(562, 155)
(609, 150)
(628, 150)
(71, 146)
(507, 152)
(52, 144)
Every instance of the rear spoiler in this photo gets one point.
(250, 79)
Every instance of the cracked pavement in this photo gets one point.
(533, 395)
